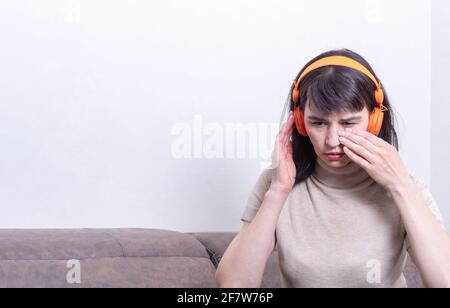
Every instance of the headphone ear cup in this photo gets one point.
(295, 95)
(379, 96)
(299, 122)
(376, 121)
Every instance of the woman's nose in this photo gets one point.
(332, 139)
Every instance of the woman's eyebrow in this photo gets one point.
(355, 118)
(314, 118)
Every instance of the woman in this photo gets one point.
(339, 204)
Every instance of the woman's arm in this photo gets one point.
(430, 244)
(244, 261)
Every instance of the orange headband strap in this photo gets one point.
(347, 62)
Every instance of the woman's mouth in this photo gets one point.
(335, 156)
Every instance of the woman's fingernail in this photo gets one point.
(348, 130)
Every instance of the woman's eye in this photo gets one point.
(347, 123)
(317, 123)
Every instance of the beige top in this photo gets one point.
(338, 228)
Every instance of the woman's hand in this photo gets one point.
(283, 177)
(380, 159)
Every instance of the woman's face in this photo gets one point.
(323, 132)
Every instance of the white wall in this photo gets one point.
(440, 124)
(101, 100)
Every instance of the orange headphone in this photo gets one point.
(376, 117)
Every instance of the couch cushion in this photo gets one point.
(152, 272)
(60, 244)
(157, 243)
(56, 244)
(217, 243)
(108, 258)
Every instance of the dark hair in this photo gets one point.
(334, 89)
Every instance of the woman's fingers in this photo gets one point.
(286, 130)
(283, 139)
(290, 130)
(285, 142)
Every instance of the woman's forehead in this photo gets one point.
(312, 111)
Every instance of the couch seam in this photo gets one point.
(118, 242)
(106, 257)
(212, 256)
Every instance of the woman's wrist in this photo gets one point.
(274, 200)
(403, 195)
(278, 191)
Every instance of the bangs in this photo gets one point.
(338, 89)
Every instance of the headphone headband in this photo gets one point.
(342, 61)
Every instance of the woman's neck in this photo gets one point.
(347, 177)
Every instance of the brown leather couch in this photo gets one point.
(122, 258)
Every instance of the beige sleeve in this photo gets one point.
(256, 197)
(426, 193)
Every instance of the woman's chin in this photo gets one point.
(344, 161)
